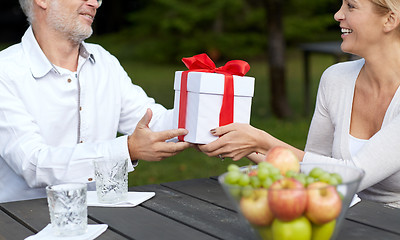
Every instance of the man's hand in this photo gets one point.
(147, 145)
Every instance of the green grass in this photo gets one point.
(157, 81)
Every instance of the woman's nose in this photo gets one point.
(339, 15)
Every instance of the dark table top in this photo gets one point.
(190, 209)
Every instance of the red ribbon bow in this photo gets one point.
(202, 63)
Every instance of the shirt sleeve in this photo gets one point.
(24, 149)
(320, 135)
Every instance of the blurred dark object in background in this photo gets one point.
(111, 17)
(12, 22)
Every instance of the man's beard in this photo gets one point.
(69, 25)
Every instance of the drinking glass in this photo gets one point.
(111, 177)
(68, 208)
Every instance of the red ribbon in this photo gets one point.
(202, 63)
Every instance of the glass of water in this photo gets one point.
(111, 177)
(68, 208)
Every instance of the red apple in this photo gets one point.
(324, 203)
(287, 199)
(284, 159)
(255, 208)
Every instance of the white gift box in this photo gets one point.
(204, 100)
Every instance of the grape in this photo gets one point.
(333, 181)
(309, 180)
(302, 175)
(244, 180)
(301, 178)
(316, 172)
(325, 177)
(274, 171)
(267, 182)
(264, 165)
(338, 177)
(276, 177)
(232, 177)
(263, 173)
(233, 167)
(255, 182)
(247, 191)
(290, 173)
(235, 191)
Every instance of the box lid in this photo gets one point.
(213, 83)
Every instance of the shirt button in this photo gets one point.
(80, 108)
(69, 80)
(81, 141)
(90, 179)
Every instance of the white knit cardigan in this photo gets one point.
(328, 138)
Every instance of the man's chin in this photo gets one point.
(78, 38)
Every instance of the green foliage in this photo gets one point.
(227, 28)
(167, 30)
(311, 20)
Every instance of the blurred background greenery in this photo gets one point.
(150, 37)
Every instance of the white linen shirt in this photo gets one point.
(54, 122)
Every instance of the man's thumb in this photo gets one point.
(144, 122)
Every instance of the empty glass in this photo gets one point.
(68, 208)
(111, 180)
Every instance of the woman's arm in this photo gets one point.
(238, 140)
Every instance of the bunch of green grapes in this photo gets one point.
(262, 177)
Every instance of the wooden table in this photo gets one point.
(191, 209)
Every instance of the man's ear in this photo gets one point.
(392, 22)
(41, 3)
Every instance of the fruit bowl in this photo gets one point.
(308, 204)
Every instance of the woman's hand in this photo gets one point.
(236, 140)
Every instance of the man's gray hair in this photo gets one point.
(27, 8)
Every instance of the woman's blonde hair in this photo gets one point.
(386, 6)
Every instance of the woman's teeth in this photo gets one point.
(346, 31)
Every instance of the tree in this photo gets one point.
(226, 29)
(276, 58)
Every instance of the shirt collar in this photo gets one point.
(83, 52)
(38, 62)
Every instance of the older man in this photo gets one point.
(63, 102)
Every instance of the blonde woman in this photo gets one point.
(356, 119)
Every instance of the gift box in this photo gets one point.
(204, 96)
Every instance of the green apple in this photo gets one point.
(297, 229)
(323, 231)
(264, 232)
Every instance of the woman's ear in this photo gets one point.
(392, 22)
